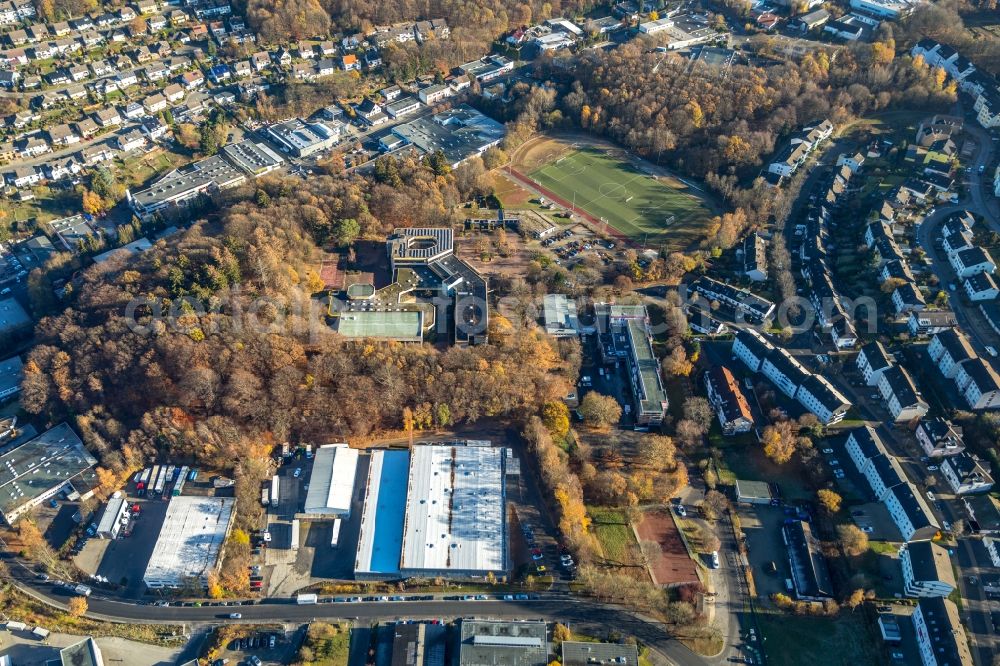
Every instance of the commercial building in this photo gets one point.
(456, 523)
(302, 138)
(254, 158)
(927, 570)
(624, 332)
(331, 482)
(381, 538)
(423, 265)
(460, 133)
(578, 653)
(810, 576)
(488, 69)
(560, 316)
(189, 546)
(753, 492)
(410, 644)
(33, 471)
(84, 653)
(182, 187)
(73, 232)
(726, 397)
(502, 643)
(111, 521)
(888, 9)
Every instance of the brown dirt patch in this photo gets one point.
(672, 566)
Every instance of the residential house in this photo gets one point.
(907, 298)
(938, 438)
(60, 169)
(173, 93)
(349, 63)
(24, 176)
(901, 396)
(927, 570)
(910, 513)
(825, 402)
(981, 287)
(949, 349)
(862, 445)
(979, 384)
(726, 397)
(131, 140)
(96, 153)
(62, 135)
(134, 111)
(751, 348)
(966, 474)
(930, 322)
(940, 637)
(883, 473)
(260, 60)
(971, 260)
(191, 80)
(854, 161)
(153, 127)
(155, 103)
(86, 128)
(784, 371)
(108, 117)
(755, 257)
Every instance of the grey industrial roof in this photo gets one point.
(455, 511)
(459, 133)
(502, 643)
(178, 185)
(41, 464)
(11, 374)
(423, 244)
(254, 158)
(331, 482)
(190, 539)
(578, 653)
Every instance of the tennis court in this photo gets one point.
(613, 189)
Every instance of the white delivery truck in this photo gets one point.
(303, 599)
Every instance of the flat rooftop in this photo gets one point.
(455, 511)
(420, 244)
(190, 541)
(460, 133)
(12, 315)
(381, 538)
(72, 231)
(11, 374)
(182, 184)
(254, 158)
(404, 325)
(31, 469)
(503, 643)
(331, 483)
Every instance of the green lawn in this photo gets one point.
(633, 202)
(615, 536)
(744, 458)
(844, 640)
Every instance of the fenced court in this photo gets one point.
(617, 192)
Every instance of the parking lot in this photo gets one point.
(124, 559)
(762, 523)
(271, 645)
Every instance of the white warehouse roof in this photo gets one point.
(190, 540)
(331, 483)
(455, 512)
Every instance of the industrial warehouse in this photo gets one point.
(451, 521)
(331, 483)
(39, 468)
(189, 546)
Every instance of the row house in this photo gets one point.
(981, 287)
(979, 384)
(900, 395)
(949, 349)
(907, 298)
(968, 261)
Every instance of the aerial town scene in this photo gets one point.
(499, 332)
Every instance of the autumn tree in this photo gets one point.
(779, 442)
(714, 504)
(600, 411)
(77, 606)
(855, 598)
(676, 364)
(852, 539)
(829, 500)
(555, 415)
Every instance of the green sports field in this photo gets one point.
(628, 199)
